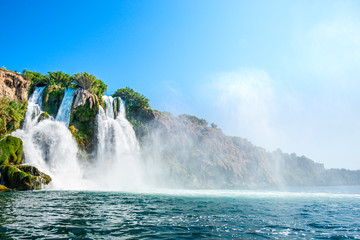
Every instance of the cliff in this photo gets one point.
(190, 154)
(13, 102)
(13, 86)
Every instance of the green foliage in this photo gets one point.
(11, 115)
(43, 116)
(134, 101)
(11, 150)
(36, 78)
(59, 78)
(194, 119)
(21, 177)
(89, 82)
(83, 80)
(53, 96)
(82, 125)
(138, 111)
(213, 125)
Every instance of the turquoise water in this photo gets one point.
(319, 213)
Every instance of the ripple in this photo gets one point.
(106, 215)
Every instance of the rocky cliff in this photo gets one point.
(13, 101)
(189, 154)
(13, 86)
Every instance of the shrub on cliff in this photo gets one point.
(138, 111)
(133, 100)
(11, 115)
(35, 78)
(59, 78)
(194, 119)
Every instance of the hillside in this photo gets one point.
(196, 155)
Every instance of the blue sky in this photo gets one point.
(283, 74)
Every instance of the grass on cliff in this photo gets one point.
(11, 115)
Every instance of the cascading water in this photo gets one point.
(64, 111)
(49, 146)
(33, 109)
(117, 155)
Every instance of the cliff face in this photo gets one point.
(192, 155)
(13, 85)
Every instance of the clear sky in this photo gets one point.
(283, 74)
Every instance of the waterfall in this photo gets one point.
(63, 114)
(33, 108)
(49, 146)
(117, 155)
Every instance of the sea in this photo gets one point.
(293, 213)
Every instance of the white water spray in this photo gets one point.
(117, 155)
(49, 146)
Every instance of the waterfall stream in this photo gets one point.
(49, 145)
(117, 152)
(63, 114)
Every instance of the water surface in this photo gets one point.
(319, 213)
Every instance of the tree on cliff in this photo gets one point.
(89, 82)
(133, 100)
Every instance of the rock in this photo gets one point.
(83, 96)
(4, 189)
(83, 120)
(11, 151)
(23, 177)
(117, 106)
(13, 85)
(43, 116)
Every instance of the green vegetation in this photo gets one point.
(89, 82)
(138, 110)
(52, 98)
(15, 176)
(43, 116)
(194, 119)
(11, 150)
(82, 125)
(11, 115)
(134, 101)
(23, 177)
(63, 80)
(58, 78)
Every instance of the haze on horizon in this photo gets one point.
(283, 74)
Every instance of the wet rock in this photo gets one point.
(23, 177)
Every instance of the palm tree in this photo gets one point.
(84, 80)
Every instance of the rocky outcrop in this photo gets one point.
(83, 119)
(23, 177)
(14, 175)
(82, 97)
(13, 85)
